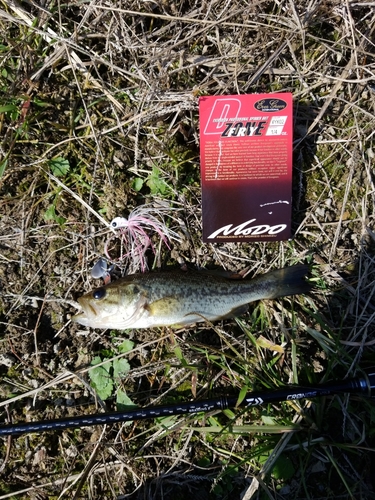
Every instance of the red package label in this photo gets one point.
(246, 166)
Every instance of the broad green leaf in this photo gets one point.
(120, 366)
(283, 468)
(268, 420)
(50, 214)
(59, 166)
(156, 184)
(123, 401)
(101, 379)
(204, 462)
(126, 346)
(106, 353)
(137, 184)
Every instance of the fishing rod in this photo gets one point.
(364, 385)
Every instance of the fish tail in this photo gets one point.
(287, 281)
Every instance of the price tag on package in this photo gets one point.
(246, 167)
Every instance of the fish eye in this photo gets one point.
(100, 293)
(114, 224)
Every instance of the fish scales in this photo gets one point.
(181, 298)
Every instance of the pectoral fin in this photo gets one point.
(167, 306)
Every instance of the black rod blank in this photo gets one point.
(361, 385)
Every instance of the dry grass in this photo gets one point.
(111, 89)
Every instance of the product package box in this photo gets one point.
(246, 167)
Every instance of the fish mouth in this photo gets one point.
(87, 313)
(80, 318)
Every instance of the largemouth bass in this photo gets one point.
(181, 298)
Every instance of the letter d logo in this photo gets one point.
(222, 111)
